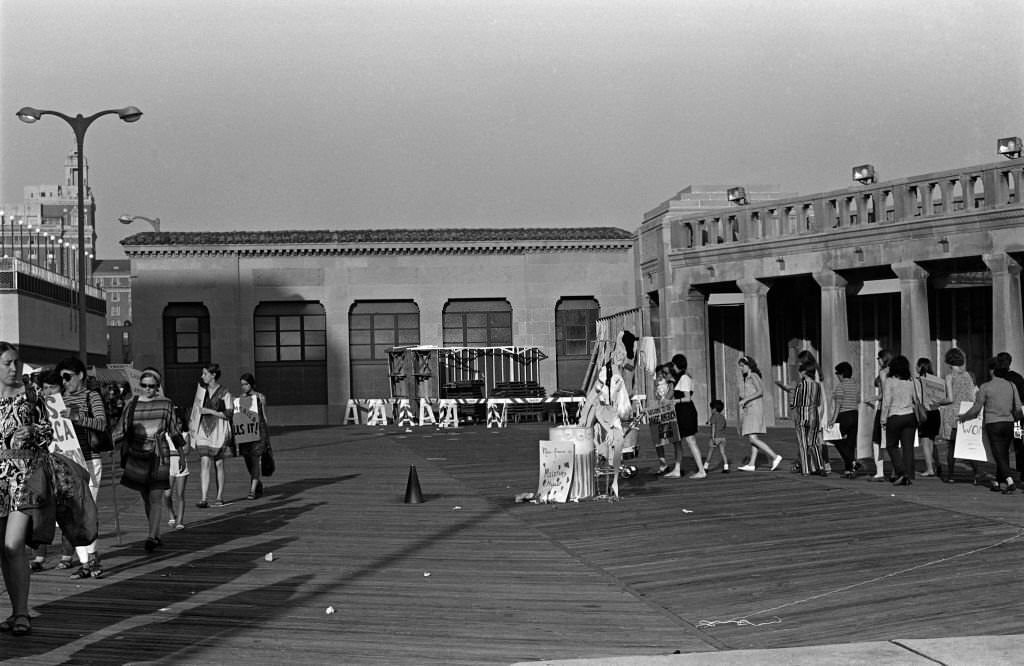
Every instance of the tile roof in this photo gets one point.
(452, 235)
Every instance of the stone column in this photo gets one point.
(1007, 316)
(835, 333)
(915, 336)
(757, 338)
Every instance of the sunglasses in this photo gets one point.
(66, 376)
(152, 386)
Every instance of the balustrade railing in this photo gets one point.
(11, 268)
(987, 187)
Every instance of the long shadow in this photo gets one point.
(173, 583)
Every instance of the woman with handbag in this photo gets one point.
(145, 452)
(998, 397)
(86, 410)
(253, 402)
(210, 429)
(24, 439)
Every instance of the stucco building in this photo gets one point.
(313, 313)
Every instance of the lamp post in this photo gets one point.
(79, 124)
(128, 219)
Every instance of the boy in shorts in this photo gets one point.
(718, 424)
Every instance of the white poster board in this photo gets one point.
(65, 441)
(556, 460)
(969, 442)
(246, 426)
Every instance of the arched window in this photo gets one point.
(575, 335)
(374, 327)
(186, 349)
(290, 348)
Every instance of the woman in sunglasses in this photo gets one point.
(147, 422)
(88, 414)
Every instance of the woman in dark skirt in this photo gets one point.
(686, 417)
(143, 429)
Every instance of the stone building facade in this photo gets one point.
(915, 265)
(312, 313)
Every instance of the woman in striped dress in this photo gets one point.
(805, 409)
(88, 414)
(144, 426)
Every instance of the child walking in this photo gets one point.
(668, 430)
(718, 425)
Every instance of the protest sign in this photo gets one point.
(65, 441)
(969, 442)
(556, 461)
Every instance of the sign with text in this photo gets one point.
(65, 441)
(246, 425)
(969, 442)
(556, 460)
(934, 392)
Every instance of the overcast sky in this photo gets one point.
(333, 114)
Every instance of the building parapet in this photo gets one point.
(18, 275)
(926, 199)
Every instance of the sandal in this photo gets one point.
(65, 563)
(7, 624)
(203, 505)
(84, 571)
(22, 626)
(250, 496)
(151, 544)
(35, 566)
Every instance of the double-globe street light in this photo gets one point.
(80, 124)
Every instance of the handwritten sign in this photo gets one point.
(246, 426)
(969, 442)
(65, 441)
(934, 391)
(556, 461)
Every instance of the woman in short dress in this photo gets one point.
(210, 428)
(929, 430)
(24, 439)
(145, 425)
(751, 390)
(686, 417)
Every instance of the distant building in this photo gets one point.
(314, 314)
(113, 276)
(43, 229)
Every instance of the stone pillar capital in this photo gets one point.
(909, 270)
(1000, 262)
(830, 279)
(753, 286)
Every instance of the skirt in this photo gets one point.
(686, 416)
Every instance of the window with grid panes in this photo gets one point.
(186, 349)
(477, 323)
(575, 335)
(374, 328)
(290, 350)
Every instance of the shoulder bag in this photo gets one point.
(917, 400)
(100, 441)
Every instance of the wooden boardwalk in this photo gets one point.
(734, 561)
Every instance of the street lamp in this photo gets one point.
(79, 124)
(128, 219)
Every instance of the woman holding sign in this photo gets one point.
(960, 387)
(86, 410)
(250, 420)
(998, 397)
(23, 443)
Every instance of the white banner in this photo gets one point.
(65, 441)
(969, 442)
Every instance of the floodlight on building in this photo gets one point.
(864, 174)
(737, 195)
(1009, 147)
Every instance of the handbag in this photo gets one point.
(267, 463)
(136, 468)
(100, 441)
(920, 411)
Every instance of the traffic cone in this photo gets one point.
(413, 494)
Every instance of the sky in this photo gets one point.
(359, 114)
